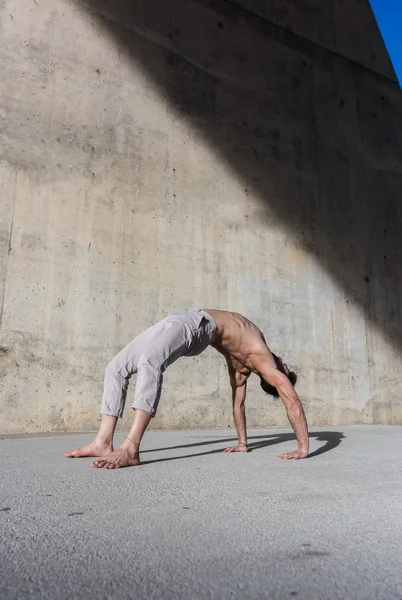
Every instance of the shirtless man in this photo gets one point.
(188, 333)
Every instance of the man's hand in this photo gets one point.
(237, 448)
(295, 455)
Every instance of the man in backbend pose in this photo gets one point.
(188, 333)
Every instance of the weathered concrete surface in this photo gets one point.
(195, 523)
(195, 153)
(345, 28)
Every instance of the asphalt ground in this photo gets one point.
(194, 523)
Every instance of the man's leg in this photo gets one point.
(161, 344)
(102, 444)
(128, 455)
(146, 399)
(113, 401)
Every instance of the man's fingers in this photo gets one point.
(289, 456)
(238, 448)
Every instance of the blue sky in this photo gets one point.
(389, 18)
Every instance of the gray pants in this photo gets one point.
(183, 333)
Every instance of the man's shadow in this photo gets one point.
(332, 439)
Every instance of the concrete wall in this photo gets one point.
(162, 155)
(344, 27)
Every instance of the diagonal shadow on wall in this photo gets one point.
(315, 137)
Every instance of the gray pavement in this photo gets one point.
(192, 522)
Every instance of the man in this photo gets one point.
(188, 333)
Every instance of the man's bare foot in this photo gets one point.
(95, 448)
(126, 456)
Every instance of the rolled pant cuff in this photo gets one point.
(109, 413)
(145, 408)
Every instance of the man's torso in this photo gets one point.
(238, 339)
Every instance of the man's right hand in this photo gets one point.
(237, 448)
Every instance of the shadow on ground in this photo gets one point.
(332, 439)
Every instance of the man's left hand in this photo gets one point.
(295, 455)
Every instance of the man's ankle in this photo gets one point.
(105, 440)
(132, 445)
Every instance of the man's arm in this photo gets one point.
(294, 410)
(238, 383)
(296, 416)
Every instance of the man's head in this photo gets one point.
(283, 368)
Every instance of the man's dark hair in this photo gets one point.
(270, 389)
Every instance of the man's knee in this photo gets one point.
(148, 371)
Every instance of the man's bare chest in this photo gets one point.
(238, 365)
